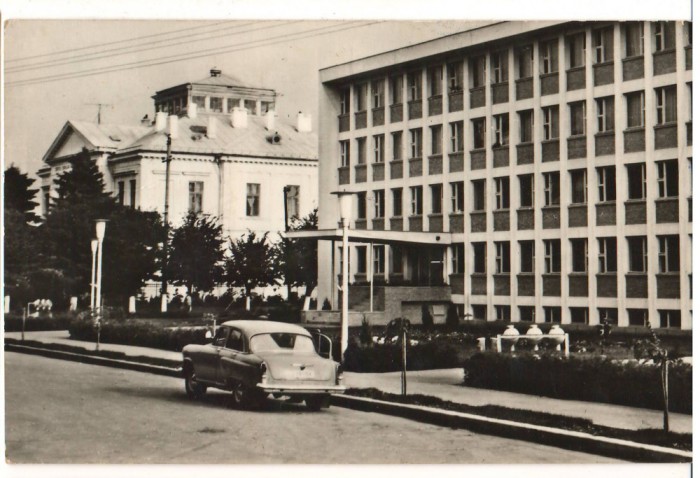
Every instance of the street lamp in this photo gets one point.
(100, 226)
(345, 206)
(93, 246)
(170, 134)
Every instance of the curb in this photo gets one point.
(571, 440)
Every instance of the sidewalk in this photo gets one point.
(444, 384)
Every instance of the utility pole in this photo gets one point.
(164, 283)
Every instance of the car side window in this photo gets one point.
(235, 340)
(221, 336)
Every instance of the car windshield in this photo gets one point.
(281, 342)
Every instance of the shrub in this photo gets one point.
(387, 357)
(426, 316)
(13, 323)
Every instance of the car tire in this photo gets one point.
(244, 397)
(317, 402)
(193, 389)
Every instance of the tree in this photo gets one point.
(297, 259)
(196, 253)
(250, 263)
(18, 194)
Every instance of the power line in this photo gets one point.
(189, 56)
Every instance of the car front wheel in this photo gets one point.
(193, 389)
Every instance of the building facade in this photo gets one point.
(526, 171)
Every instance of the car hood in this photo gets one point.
(295, 366)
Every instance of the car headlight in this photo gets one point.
(263, 372)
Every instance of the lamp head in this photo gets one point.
(93, 245)
(344, 203)
(100, 225)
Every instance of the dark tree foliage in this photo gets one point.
(196, 253)
(250, 263)
(19, 195)
(83, 183)
(297, 259)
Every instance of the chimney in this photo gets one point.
(161, 120)
(214, 72)
(211, 126)
(239, 117)
(304, 122)
(192, 110)
(172, 126)
(270, 120)
(146, 121)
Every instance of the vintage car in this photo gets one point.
(255, 358)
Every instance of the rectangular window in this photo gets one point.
(501, 130)
(502, 192)
(527, 190)
(454, 76)
(344, 101)
(670, 319)
(292, 202)
(120, 195)
(378, 142)
(668, 178)
(637, 246)
(552, 256)
(396, 259)
(503, 313)
(416, 200)
(361, 97)
(361, 150)
(132, 193)
(578, 118)
(362, 205)
(397, 200)
(414, 86)
(361, 253)
(527, 122)
(606, 184)
(664, 35)
(216, 104)
(499, 67)
(579, 255)
(436, 139)
(457, 137)
(551, 188)
(344, 154)
(525, 60)
(436, 198)
(579, 186)
(457, 197)
(527, 256)
(478, 70)
(416, 143)
(435, 79)
(502, 257)
(396, 90)
(579, 315)
(379, 259)
(457, 258)
(379, 203)
(479, 257)
(634, 39)
(606, 114)
(635, 109)
(666, 105)
(552, 315)
(669, 258)
(252, 199)
(378, 94)
(607, 255)
(249, 105)
(479, 127)
(549, 57)
(479, 188)
(199, 101)
(196, 189)
(527, 313)
(577, 50)
(397, 145)
(550, 122)
(46, 195)
(638, 317)
(603, 45)
(637, 180)
(607, 315)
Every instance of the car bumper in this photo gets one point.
(300, 389)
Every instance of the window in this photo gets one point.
(552, 315)
(456, 137)
(457, 258)
(635, 109)
(527, 313)
(525, 60)
(479, 312)
(344, 101)
(362, 205)
(416, 200)
(436, 198)
(670, 319)
(235, 340)
(46, 194)
(397, 201)
(396, 259)
(478, 70)
(361, 97)
(664, 35)
(637, 246)
(579, 315)
(666, 105)
(479, 257)
(436, 139)
(637, 180)
(688, 33)
(527, 190)
(292, 202)
(527, 122)
(249, 105)
(361, 150)
(221, 336)
(606, 184)
(638, 317)
(502, 192)
(216, 104)
(579, 255)
(195, 203)
(579, 186)
(379, 203)
(252, 205)
(416, 143)
(549, 57)
(503, 312)
(344, 154)
(577, 50)
(414, 86)
(552, 256)
(199, 101)
(603, 45)
(132, 193)
(435, 79)
(550, 122)
(609, 315)
(606, 114)
(361, 252)
(668, 178)
(378, 94)
(500, 130)
(457, 197)
(454, 76)
(669, 259)
(397, 145)
(396, 90)
(527, 256)
(120, 194)
(551, 189)
(607, 255)
(479, 126)
(499, 67)
(578, 118)
(634, 39)
(378, 141)
(379, 259)
(479, 188)
(502, 257)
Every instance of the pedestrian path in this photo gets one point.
(444, 384)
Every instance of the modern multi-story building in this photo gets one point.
(526, 171)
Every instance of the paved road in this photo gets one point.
(65, 412)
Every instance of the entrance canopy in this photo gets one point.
(377, 237)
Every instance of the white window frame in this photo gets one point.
(416, 140)
(416, 200)
(378, 93)
(548, 56)
(456, 137)
(603, 255)
(253, 196)
(499, 67)
(436, 203)
(549, 256)
(585, 185)
(378, 140)
(642, 108)
(548, 114)
(457, 258)
(457, 197)
(501, 129)
(379, 259)
(603, 105)
(502, 193)
(603, 192)
(573, 108)
(345, 153)
(549, 179)
(661, 100)
(454, 76)
(379, 204)
(502, 250)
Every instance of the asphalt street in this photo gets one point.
(66, 412)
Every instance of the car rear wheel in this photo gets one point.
(193, 389)
(317, 402)
(244, 396)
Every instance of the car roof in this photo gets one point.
(252, 327)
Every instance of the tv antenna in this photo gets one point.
(99, 110)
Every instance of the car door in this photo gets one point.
(230, 365)
(208, 362)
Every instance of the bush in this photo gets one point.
(595, 379)
(387, 357)
(13, 323)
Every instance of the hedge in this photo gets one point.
(33, 324)
(387, 357)
(595, 379)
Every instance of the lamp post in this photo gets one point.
(170, 134)
(100, 226)
(345, 206)
(93, 246)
